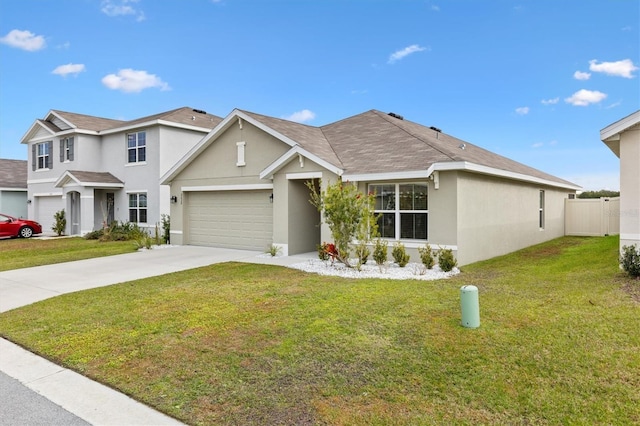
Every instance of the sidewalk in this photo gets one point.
(90, 401)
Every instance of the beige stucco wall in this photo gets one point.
(498, 216)
(442, 220)
(217, 165)
(630, 187)
(296, 221)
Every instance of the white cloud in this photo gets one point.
(400, 54)
(133, 81)
(579, 75)
(435, 8)
(25, 40)
(301, 116)
(550, 101)
(121, 8)
(522, 110)
(65, 70)
(623, 68)
(541, 144)
(585, 97)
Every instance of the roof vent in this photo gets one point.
(394, 115)
(199, 111)
(435, 129)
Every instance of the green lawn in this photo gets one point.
(559, 343)
(24, 253)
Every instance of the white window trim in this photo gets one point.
(136, 148)
(38, 156)
(138, 207)
(241, 146)
(397, 212)
(541, 209)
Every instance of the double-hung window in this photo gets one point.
(138, 208)
(541, 210)
(137, 147)
(402, 210)
(66, 149)
(41, 155)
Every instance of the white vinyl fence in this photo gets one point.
(592, 217)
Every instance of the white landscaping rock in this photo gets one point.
(413, 271)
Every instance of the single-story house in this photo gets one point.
(13, 187)
(101, 170)
(623, 138)
(244, 185)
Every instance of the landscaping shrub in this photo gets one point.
(446, 260)
(349, 214)
(166, 228)
(327, 251)
(119, 231)
(363, 252)
(400, 254)
(273, 250)
(426, 256)
(60, 222)
(630, 260)
(380, 251)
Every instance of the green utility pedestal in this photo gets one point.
(470, 306)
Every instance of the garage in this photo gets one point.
(230, 219)
(45, 209)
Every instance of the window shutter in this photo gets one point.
(61, 150)
(70, 149)
(50, 157)
(34, 160)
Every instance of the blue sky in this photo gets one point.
(533, 80)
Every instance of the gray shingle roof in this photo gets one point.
(13, 174)
(310, 138)
(88, 122)
(401, 145)
(94, 177)
(184, 115)
(375, 142)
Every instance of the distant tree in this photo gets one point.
(599, 194)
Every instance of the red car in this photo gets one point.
(13, 227)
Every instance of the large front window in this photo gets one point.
(138, 208)
(402, 209)
(137, 147)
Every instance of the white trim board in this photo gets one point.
(238, 187)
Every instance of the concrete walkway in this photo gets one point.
(81, 399)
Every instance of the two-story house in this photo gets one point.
(100, 170)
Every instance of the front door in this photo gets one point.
(74, 212)
(110, 204)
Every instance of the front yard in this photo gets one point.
(251, 344)
(24, 253)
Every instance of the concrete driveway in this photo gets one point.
(88, 400)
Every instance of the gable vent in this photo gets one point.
(394, 115)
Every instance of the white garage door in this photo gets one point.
(230, 219)
(45, 208)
